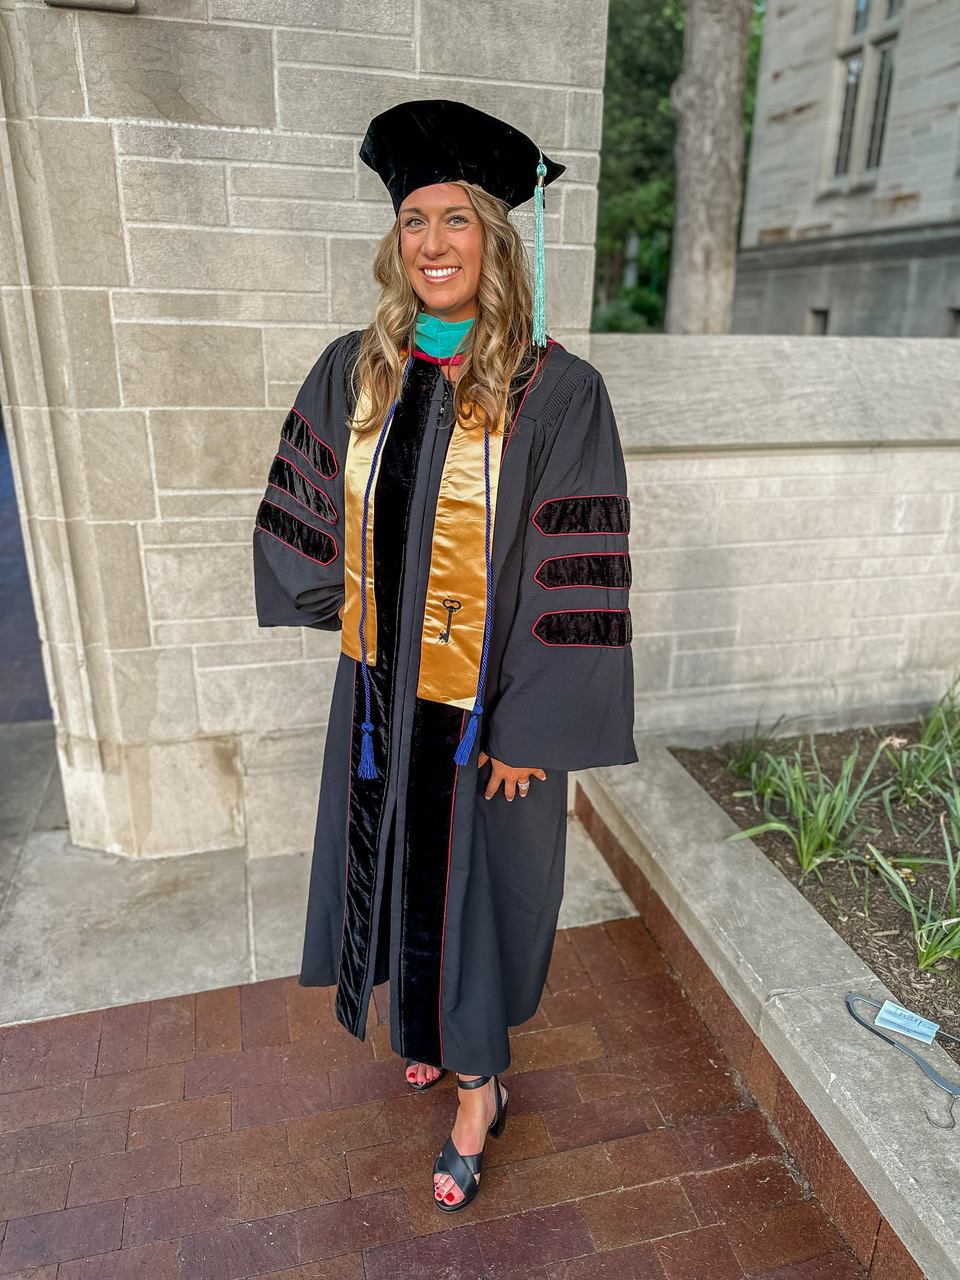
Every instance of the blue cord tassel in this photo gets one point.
(367, 767)
(463, 751)
(539, 290)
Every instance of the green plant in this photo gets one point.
(936, 930)
(747, 751)
(821, 819)
(950, 795)
(922, 767)
(767, 782)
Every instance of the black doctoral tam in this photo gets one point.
(417, 144)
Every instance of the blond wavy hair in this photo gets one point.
(496, 359)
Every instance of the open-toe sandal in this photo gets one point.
(465, 1170)
(427, 1084)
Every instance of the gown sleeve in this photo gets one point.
(298, 538)
(565, 690)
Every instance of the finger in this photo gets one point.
(538, 773)
(523, 786)
(509, 788)
(493, 785)
(482, 759)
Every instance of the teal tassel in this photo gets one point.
(539, 303)
(462, 753)
(368, 766)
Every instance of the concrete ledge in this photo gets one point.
(751, 391)
(787, 973)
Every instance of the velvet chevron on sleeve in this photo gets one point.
(564, 696)
(298, 539)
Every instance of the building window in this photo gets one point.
(851, 88)
(881, 103)
(861, 16)
(817, 319)
(894, 9)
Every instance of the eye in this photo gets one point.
(411, 223)
(459, 219)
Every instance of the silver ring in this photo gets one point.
(524, 786)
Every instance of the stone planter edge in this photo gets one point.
(770, 976)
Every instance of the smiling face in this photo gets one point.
(441, 244)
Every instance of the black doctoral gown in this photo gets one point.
(416, 876)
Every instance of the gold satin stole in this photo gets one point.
(456, 610)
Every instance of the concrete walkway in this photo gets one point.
(81, 930)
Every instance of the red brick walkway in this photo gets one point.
(243, 1133)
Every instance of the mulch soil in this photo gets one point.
(878, 930)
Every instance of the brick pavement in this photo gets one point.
(242, 1133)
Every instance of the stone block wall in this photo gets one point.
(184, 225)
(795, 528)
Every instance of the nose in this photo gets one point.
(435, 241)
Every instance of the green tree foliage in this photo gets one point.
(644, 57)
(750, 88)
(636, 190)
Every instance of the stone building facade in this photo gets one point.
(851, 223)
(184, 225)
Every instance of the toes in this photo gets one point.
(446, 1189)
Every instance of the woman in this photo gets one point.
(450, 489)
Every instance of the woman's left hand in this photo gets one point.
(514, 780)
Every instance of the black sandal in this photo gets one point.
(465, 1170)
(428, 1084)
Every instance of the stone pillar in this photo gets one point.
(184, 225)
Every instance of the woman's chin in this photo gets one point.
(447, 308)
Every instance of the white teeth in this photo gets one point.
(439, 273)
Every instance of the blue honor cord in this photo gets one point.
(368, 766)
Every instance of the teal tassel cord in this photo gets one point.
(539, 302)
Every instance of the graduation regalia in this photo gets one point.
(416, 877)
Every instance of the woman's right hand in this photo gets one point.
(515, 781)
(340, 611)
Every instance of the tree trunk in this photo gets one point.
(707, 99)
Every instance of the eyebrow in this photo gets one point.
(453, 208)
